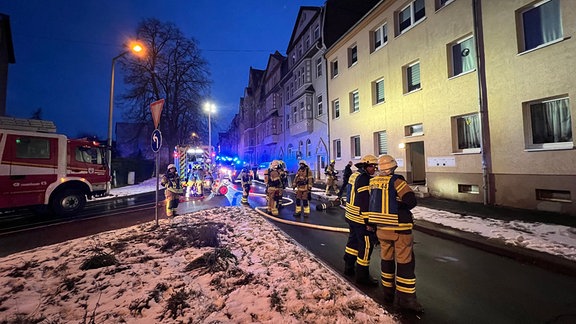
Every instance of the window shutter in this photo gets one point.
(382, 143)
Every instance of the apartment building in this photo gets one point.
(473, 97)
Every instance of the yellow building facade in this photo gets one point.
(475, 98)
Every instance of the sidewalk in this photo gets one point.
(517, 219)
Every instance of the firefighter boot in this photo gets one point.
(363, 276)
(349, 267)
(408, 302)
(298, 211)
(306, 210)
(389, 295)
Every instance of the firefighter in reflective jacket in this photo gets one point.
(361, 239)
(171, 181)
(246, 181)
(303, 182)
(273, 187)
(391, 200)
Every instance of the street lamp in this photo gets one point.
(210, 108)
(135, 48)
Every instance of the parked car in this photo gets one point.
(262, 167)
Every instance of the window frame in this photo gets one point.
(320, 104)
(521, 23)
(335, 108)
(382, 30)
(528, 127)
(334, 68)
(379, 142)
(456, 131)
(354, 104)
(413, 19)
(355, 147)
(452, 73)
(352, 55)
(375, 92)
(407, 78)
(337, 147)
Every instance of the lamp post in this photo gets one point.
(135, 48)
(209, 108)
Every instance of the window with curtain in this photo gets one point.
(468, 131)
(542, 24)
(413, 76)
(379, 91)
(308, 148)
(382, 142)
(551, 122)
(355, 141)
(463, 56)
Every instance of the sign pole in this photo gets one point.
(156, 110)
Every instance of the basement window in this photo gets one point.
(554, 195)
(467, 188)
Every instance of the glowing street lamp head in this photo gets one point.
(209, 107)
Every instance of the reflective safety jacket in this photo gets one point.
(303, 180)
(246, 177)
(171, 181)
(272, 178)
(358, 197)
(391, 199)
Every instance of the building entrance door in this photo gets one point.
(416, 163)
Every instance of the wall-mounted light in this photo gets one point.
(401, 146)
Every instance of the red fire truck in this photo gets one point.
(39, 167)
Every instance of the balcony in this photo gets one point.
(270, 139)
(304, 127)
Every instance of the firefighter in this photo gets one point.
(391, 200)
(171, 181)
(361, 239)
(331, 178)
(246, 177)
(273, 183)
(284, 180)
(303, 182)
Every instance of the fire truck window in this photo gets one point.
(86, 155)
(32, 148)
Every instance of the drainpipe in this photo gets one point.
(328, 106)
(487, 177)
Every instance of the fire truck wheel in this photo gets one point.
(68, 202)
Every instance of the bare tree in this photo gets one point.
(173, 69)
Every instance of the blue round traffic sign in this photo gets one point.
(156, 140)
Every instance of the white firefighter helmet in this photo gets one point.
(302, 162)
(386, 162)
(170, 166)
(274, 164)
(367, 160)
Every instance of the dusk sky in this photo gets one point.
(64, 51)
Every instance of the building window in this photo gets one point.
(463, 55)
(337, 149)
(290, 151)
(355, 145)
(468, 188)
(316, 32)
(287, 121)
(541, 24)
(308, 148)
(336, 108)
(352, 55)
(379, 37)
(378, 91)
(302, 111)
(354, 101)
(548, 124)
(320, 106)
(410, 15)
(468, 133)
(412, 77)
(414, 130)
(554, 195)
(442, 3)
(319, 67)
(381, 140)
(294, 114)
(334, 67)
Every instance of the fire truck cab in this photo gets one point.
(39, 167)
